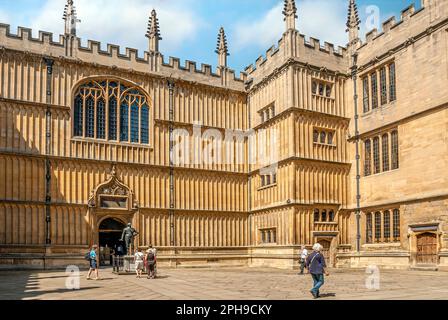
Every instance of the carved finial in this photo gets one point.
(353, 20)
(290, 13)
(153, 33)
(70, 18)
(222, 49)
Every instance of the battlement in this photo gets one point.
(294, 45)
(94, 52)
(413, 22)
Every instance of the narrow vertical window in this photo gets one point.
(328, 91)
(323, 137)
(268, 180)
(395, 151)
(78, 115)
(316, 136)
(124, 121)
(314, 87)
(365, 90)
(274, 178)
(392, 85)
(386, 226)
(90, 118)
(316, 215)
(144, 124)
(134, 122)
(374, 85)
(324, 216)
(385, 145)
(263, 181)
(369, 228)
(396, 225)
(321, 89)
(331, 216)
(383, 86)
(330, 138)
(378, 226)
(376, 155)
(367, 158)
(101, 119)
(113, 118)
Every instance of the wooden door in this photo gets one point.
(427, 248)
(326, 252)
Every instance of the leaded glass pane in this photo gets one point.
(101, 120)
(376, 155)
(374, 85)
(78, 115)
(134, 123)
(367, 158)
(90, 118)
(392, 86)
(113, 118)
(396, 225)
(369, 228)
(383, 85)
(124, 121)
(377, 226)
(386, 163)
(395, 159)
(365, 84)
(386, 223)
(144, 124)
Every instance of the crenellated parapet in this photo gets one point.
(95, 53)
(308, 51)
(414, 24)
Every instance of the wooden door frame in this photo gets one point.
(331, 237)
(419, 229)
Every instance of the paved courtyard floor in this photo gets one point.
(228, 284)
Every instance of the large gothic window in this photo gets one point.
(111, 110)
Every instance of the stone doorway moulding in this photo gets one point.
(112, 199)
(329, 240)
(417, 233)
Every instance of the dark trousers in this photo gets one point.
(302, 265)
(318, 280)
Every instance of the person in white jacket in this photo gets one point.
(303, 254)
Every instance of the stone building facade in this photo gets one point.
(219, 169)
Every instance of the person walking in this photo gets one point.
(316, 266)
(93, 262)
(138, 261)
(303, 255)
(151, 262)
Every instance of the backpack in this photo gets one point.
(87, 256)
(150, 256)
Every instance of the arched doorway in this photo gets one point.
(427, 249)
(109, 235)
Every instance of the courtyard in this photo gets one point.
(223, 284)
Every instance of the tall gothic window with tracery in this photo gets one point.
(111, 110)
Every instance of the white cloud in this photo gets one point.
(321, 19)
(123, 22)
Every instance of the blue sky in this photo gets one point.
(189, 27)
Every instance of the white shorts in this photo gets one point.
(139, 265)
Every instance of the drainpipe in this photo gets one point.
(49, 63)
(358, 158)
(171, 86)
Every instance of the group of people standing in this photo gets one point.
(316, 266)
(141, 260)
(149, 260)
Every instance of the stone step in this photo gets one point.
(424, 267)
